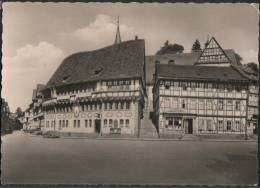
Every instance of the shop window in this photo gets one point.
(177, 122)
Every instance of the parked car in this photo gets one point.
(50, 134)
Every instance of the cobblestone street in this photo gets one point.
(33, 159)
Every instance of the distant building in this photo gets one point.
(33, 116)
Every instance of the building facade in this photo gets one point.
(209, 97)
(99, 92)
(200, 105)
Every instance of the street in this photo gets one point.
(34, 160)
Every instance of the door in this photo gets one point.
(97, 125)
(190, 126)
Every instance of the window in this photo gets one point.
(193, 85)
(127, 122)
(169, 122)
(193, 104)
(229, 123)
(90, 123)
(86, 123)
(110, 105)
(183, 104)
(122, 105)
(209, 125)
(237, 128)
(220, 125)
(110, 122)
(67, 123)
(220, 104)
(175, 103)
(127, 105)
(237, 105)
(167, 85)
(177, 122)
(59, 123)
(184, 86)
(121, 122)
(116, 105)
(75, 123)
(78, 123)
(63, 124)
(209, 104)
(201, 104)
(105, 106)
(229, 105)
(105, 122)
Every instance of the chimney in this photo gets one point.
(136, 37)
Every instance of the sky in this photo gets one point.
(38, 36)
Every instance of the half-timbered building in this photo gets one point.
(209, 97)
(99, 92)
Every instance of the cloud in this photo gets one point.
(31, 65)
(250, 55)
(102, 32)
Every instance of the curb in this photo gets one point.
(152, 139)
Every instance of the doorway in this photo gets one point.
(97, 125)
(188, 123)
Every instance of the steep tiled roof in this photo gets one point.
(124, 60)
(179, 59)
(192, 72)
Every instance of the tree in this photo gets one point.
(253, 66)
(196, 47)
(19, 112)
(170, 49)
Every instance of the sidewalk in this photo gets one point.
(163, 139)
(151, 139)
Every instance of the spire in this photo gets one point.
(118, 37)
